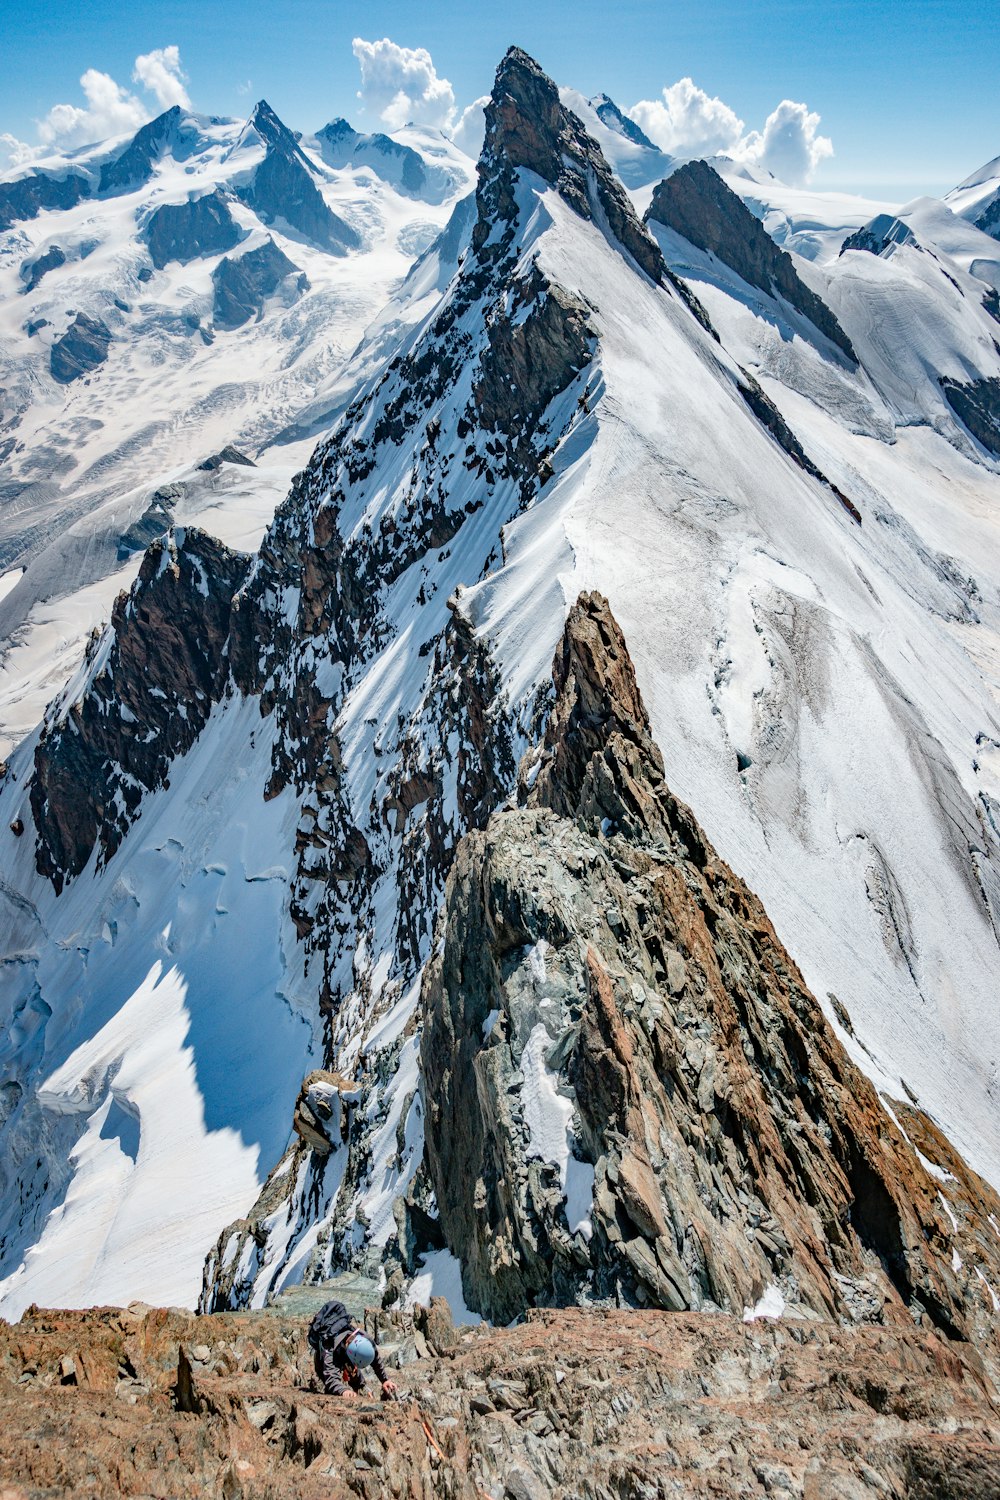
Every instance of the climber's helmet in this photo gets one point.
(360, 1350)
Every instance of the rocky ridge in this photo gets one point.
(622, 1406)
(630, 1094)
(390, 731)
(696, 203)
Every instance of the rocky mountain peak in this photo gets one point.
(696, 203)
(599, 719)
(527, 126)
(629, 1091)
(284, 186)
(272, 130)
(134, 163)
(615, 119)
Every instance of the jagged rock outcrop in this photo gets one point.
(33, 270)
(227, 455)
(155, 1402)
(880, 234)
(27, 196)
(320, 1117)
(184, 231)
(242, 282)
(770, 417)
(977, 404)
(609, 114)
(150, 682)
(696, 203)
(81, 349)
(528, 126)
(629, 1091)
(283, 188)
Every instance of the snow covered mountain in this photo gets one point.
(226, 848)
(164, 298)
(978, 198)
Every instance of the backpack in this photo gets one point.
(330, 1323)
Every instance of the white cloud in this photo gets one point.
(470, 127)
(789, 146)
(109, 110)
(160, 72)
(688, 122)
(400, 85)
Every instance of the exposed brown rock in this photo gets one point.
(153, 680)
(527, 126)
(571, 1404)
(733, 1143)
(320, 1117)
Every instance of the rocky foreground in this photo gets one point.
(161, 1403)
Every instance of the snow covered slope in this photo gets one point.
(231, 271)
(978, 198)
(802, 552)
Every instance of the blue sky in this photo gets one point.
(906, 92)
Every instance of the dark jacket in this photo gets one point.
(329, 1332)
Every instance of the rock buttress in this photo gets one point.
(151, 680)
(630, 1093)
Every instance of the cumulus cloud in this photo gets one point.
(160, 72)
(470, 127)
(400, 84)
(109, 109)
(789, 145)
(688, 122)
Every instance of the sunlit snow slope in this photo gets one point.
(228, 271)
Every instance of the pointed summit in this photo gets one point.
(622, 124)
(173, 133)
(527, 126)
(284, 185)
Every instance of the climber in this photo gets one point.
(343, 1351)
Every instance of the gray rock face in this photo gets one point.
(227, 455)
(878, 235)
(977, 403)
(32, 271)
(185, 231)
(25, 198)
(610, 115)
(241, 283)
(284, 188)
(770, 417)
(145, 704)
(630, 1094)
(82, 348)
(528, 126)
(696, 203)
(989, 219)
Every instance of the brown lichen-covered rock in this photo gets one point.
(151, 680)
(320, 1117)
(571, 1403)
(630, 1092)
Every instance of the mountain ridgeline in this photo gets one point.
(544, 1040)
